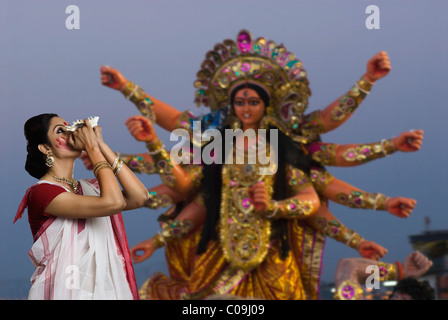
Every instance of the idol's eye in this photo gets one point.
(254, 102)
(239, 103)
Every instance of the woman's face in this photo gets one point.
(58, 137)
(249, 108)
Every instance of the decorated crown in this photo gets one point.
(261, 62)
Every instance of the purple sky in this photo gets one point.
(160, 45)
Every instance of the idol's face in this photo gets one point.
(249, 108)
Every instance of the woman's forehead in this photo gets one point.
(56, 120)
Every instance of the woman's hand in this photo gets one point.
(112, 78)
(408, 141)
(143, 250)
(141, 128)
(371, 250)
(400, 207)
(83, 138)
(378, 67)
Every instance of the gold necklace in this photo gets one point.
(70, 181)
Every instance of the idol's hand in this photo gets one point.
(400, 207)
(141, 128)
(371, 250)
(378, 67)
(112, 78)
(259, 197)
(143, 250)
(409, 141)
(415, 265)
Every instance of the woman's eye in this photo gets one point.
(60, 130)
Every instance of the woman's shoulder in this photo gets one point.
(43, 190)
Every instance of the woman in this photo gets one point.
(80, 248)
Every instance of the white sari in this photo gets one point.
(81, 265)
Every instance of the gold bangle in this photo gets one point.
(114, 165)
(336, 230)
(159, 241)
(351, 100)
(118, 167)
(364, 85)
(155, 147)
(138, 97)
(388, 271)
(360, 200)
(99, 166)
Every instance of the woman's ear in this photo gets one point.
(43, 148)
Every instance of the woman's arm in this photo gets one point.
(134, 191)
(109, 202)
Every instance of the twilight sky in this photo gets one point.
(45, 67)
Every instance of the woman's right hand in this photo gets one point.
(84, 138)
(112, 78)
(143, 250)
(141, 129)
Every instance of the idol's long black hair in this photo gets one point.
(289, 153)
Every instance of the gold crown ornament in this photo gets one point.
(261, 62)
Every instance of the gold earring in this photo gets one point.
(49, 160)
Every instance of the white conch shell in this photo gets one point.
(79, 123)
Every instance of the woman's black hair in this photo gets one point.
(289, 153)
(36, 133)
